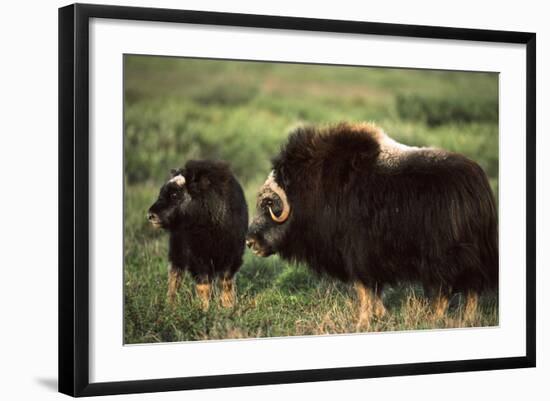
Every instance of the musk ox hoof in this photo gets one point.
(363, 324)
(228, 301)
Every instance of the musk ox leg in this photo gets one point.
(203, 284)
(227, 296)
(440, 304)
(203, 290)
(379, 308)
(174, 281)
(369, 304)
(470, 307)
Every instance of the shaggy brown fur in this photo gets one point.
(366, 209)
(203, 208)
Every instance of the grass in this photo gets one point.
(178, 109)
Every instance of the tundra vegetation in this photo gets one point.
(241, 112)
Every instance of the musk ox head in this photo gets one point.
(197, 194)
(273, 216)
(172, 202)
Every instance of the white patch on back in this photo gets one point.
(391, 151)
(179, 180)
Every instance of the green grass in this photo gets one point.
(178, 109)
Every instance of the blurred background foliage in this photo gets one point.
(178, 109)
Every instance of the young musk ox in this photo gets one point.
(203, 208)
(353, 203)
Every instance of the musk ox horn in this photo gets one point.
(179, 180)
(281, 194)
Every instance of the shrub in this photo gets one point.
(439, 110)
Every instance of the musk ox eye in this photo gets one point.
(266, 204)
(174, 195)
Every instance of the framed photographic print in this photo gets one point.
(250, 199)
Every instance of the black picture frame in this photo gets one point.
(74, 198)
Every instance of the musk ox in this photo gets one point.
(351, 202)
(203, 208)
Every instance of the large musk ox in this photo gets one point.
(203, 208)
(353, 203)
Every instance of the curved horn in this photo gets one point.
(281, 194)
